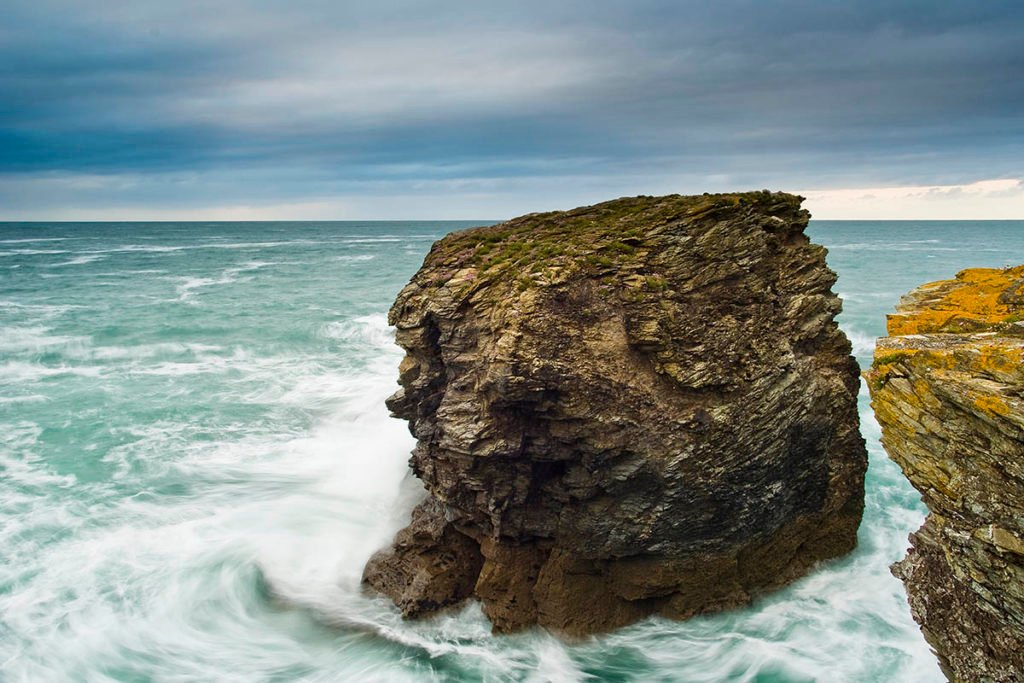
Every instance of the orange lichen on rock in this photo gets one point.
(976, 300)
(992, 404)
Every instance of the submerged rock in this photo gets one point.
(639, 407)
(946, 386)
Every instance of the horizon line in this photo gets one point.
(464, 220)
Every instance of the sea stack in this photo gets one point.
(946, 385)
(639, 407)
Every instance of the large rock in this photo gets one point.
(638, 407)
(946, 386)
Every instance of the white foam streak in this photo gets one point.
(34, 339)
(863, 344)
(27, 342)
(30, 398)
(19, 464)
(143, 248)
(367, 329)
(258, 245)
(43, 311)
(146, 351)
(171, 248)
(20, 371)
(32, 252)
(81, 260)
(186, 289)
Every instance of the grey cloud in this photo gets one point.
(754, 92)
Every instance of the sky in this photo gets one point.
(393, 109)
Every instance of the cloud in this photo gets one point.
(304, 102)
(991, 199)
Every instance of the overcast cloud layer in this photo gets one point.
(310, 109)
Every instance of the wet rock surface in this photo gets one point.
(640, 407)
(947, 388)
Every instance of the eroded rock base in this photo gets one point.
(431, 565)
(973, 644)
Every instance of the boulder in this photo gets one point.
(639, 407)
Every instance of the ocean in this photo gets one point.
(196, 462)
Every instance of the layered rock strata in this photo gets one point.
(947, 388)
(639, 407)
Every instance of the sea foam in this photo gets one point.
(196, 465)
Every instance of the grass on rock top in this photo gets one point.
(600, 241)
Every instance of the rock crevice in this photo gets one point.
(643, 406)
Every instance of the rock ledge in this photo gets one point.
(946, 386)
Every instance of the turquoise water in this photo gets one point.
(196, 461)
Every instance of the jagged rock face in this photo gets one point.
(638, 407)
(946, 386)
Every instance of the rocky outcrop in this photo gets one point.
(638, 407)
(946, 386)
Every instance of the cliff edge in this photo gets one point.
(643, 406)
(946, 386)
